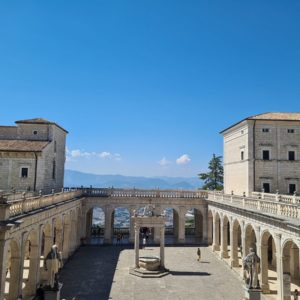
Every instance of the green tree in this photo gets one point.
(213, 179)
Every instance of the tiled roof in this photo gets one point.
(276, 116)
(270, 116)
(39, 121)
(22, 146)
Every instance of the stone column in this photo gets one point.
(131, 228)
(48, 241)
(137, 245)
(216, 234)
(181, 225)
(89, 223)
(108, 225)
(205, 225)
(58, 239)
(66, 241)
(294, 263)
(264, 269)
(243, 239)
(175, 223)
(15, 278)
(279, 268)
(210, 230)
(33, 270)
(157, 211)
(234, 261)
(162, 247)
(224, 239)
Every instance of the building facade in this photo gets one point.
(32, 156)
(263, 152)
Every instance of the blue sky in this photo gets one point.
(144, 87)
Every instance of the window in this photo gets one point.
(266, 155)
(35, 132)
(266, 187)
(242, 155)
(24, 172)
(292, 188)
(291, 130)
(291, 155)
(265, 130)
(53, 169)
(242, 131)
(55, 146)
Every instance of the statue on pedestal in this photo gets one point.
(149, 210)
(251, 266)
(52, 264)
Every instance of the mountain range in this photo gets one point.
(77, 179)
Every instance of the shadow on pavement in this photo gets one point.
(89, 272)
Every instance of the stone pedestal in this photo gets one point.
(253, 294)
(52, 294)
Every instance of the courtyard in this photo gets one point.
(102, 272)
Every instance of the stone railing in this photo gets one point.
(280, 205)
(112, 192)
(26, 204)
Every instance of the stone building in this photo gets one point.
(32, 156)
(263, 152)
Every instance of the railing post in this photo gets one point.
(244, 196)
(4, 208)
(294, 198)
(262, 193)
(231, 198)
(277, 197)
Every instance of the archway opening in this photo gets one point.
(290, 266)
(121, 225)
(12, 271)
(171, 225)
(95, 224)
(193, 226)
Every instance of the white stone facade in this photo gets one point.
(38, 146)
(246, 169)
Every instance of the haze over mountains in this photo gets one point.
(76, 178)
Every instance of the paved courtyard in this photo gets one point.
(102, 272)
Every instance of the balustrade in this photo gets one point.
(283, 205)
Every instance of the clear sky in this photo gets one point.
(144, 87)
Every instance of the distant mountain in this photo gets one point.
(76, 178)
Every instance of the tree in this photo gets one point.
(213, 179)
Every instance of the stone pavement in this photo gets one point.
(102, 272)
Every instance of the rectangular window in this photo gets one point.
(54, 146)
(266, 155)
(265, 130)
(292, 188)
(24, 172)
(291, 155)
(291, 130)
(266, 187)
(242, 155)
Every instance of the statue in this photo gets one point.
(52, 264)
(251, 266)
(149, 210)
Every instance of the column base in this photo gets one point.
(234, 264)
(253, 294)
(265, 288)
(215, 248)
(224, 254)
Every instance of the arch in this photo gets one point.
(13, 270)
(171, 224)
(194, 225)
(250, 239)
(235, 243)
(120, 224)
(268, 257)
(95, 222)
